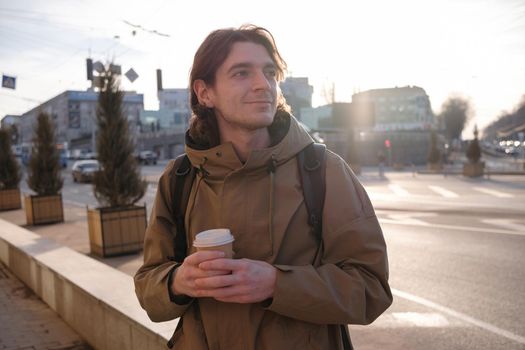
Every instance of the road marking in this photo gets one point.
(494, 192)
(468, 319)
(410, 218)
(443, 192)
(461, 228)
(412, 319)
(505, 223)
(420, 319)
(398, 190)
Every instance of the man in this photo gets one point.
(282, 290)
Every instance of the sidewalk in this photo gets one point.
(26, 322)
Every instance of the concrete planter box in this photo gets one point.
(94, 299)
(116, 231)
(44, 209)
(473, 169)
(10, 199)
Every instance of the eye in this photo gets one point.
(241, 73)
(271, 72)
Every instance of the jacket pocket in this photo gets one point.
(280, 332)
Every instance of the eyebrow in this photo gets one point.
(249, 65)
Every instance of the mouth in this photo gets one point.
(257, 102)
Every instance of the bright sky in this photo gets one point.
(475, 48)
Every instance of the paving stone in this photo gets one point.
(27, 323)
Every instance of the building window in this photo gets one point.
(74, 115)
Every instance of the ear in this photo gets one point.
(203, 92)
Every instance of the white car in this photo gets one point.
(84, 170)
(148, 157)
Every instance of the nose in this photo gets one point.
(261, 81)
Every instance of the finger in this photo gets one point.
(198, 273)
(210, 273)
(191, 273)
(204, 255)
(223, 264)
(215, 282)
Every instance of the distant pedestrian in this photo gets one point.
(286, 287)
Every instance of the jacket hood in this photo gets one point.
(288, 139)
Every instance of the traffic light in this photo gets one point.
(387, 143)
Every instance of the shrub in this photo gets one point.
(473, 152)
(118, 183)
(44, 164)
(9, 169)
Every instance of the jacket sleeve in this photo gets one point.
(151, 280)
(350, 285)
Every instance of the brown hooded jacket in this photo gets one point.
(266, 213)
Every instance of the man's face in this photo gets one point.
(245, 91)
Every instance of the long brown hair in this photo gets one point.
(209, 57)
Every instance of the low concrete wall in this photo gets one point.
(96, 300)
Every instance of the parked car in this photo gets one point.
(89, 155)
(84, 170)
(148, 157)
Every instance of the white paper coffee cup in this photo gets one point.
(215, 239)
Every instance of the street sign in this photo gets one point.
(131, 75)
(8, 82)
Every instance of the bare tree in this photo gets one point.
(455, 112)
(328, 93)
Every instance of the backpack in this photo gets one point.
(312, 168)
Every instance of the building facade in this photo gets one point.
(174, 111)
(399, 108)
(9, 120)
(298, 93)
(74, 116)
(162, 131)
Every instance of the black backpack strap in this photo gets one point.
(182, 176)
(181, 180)
(312, 168)
(347, 342)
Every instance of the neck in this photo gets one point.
(245, 141)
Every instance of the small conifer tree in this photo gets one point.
(118, 183)
(44, 164)
(434, 156)
(9, 168)
(474, 150)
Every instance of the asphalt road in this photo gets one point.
(454, 288)
(456, 260)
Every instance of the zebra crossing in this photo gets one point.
(412, 197)
(426, 190)
(403, 191)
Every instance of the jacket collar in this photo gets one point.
(288, 137)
